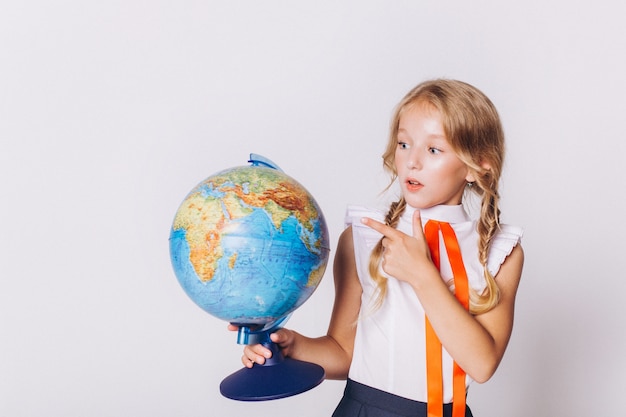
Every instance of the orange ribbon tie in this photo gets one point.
(434, 371)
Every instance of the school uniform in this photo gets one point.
(387, 376)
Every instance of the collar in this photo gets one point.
(449, 214)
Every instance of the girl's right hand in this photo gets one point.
(258, 353)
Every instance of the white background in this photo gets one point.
(111, 111)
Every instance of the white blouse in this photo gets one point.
(390, 347)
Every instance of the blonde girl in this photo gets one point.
(424, 295)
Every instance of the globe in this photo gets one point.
(249, 245)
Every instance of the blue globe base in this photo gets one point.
(278, 378)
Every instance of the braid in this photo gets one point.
(488, 225)
(391, 219)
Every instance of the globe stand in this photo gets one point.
(279, 377)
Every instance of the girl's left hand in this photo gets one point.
(403, 255)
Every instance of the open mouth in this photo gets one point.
(413, 185)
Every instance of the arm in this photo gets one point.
(333, 351)
(477, 343)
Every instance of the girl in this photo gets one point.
(424, 295)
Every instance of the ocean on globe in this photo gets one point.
(249, 245)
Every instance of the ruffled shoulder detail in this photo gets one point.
(502, 245)
(365, 240)
(354, 214)
(365, 237)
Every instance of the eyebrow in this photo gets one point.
(431, 136)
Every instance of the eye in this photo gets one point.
(403, 145)
(434, 151)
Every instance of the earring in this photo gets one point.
(470, 184)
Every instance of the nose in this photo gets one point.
(414, 160)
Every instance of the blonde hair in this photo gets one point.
(473, 129)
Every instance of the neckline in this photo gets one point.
(444, 213)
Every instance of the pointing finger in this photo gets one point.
(382, 228)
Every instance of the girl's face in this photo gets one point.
(429, 171)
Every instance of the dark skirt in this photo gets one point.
(362, 401)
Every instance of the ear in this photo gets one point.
(471, 175)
